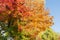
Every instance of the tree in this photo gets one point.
(24, 19)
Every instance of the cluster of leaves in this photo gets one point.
(49, 34)
(58, 36)
(36, 20)
(24, 20)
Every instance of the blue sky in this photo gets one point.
(54, 6)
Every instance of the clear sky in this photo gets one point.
(54, 6)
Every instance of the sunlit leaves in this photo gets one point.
(26, 16)
(49, 34)
(37, 19)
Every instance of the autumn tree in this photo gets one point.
(24, 19)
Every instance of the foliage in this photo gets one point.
(23, 19)
(49, 34)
